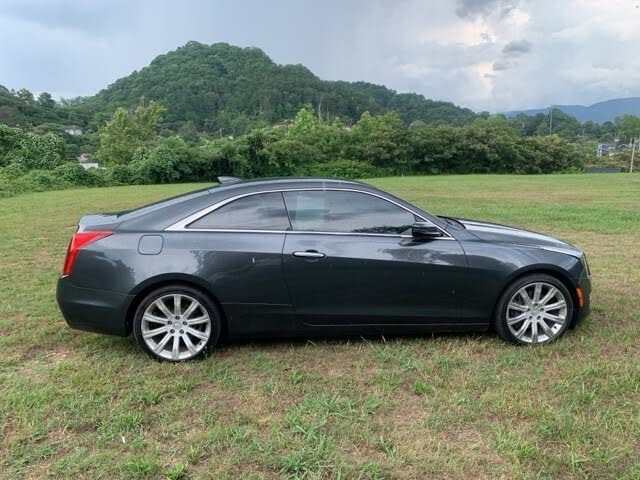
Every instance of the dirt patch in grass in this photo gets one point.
(39, 358)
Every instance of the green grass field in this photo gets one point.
(79, 405)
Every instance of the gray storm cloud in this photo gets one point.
(516, 48)
(472, 8)
(500, 65)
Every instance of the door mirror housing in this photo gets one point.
(425, 230)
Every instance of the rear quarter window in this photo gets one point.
(265, 211)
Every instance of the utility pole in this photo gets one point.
(633, 152)
(550, 120)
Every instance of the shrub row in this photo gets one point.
(375, 146)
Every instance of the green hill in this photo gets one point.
(231, 88)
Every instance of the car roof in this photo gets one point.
(245, 186)
(169, 211)
(281, 182)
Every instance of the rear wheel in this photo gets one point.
(535, 309)
(176, 323)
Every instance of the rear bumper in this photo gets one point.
(93, 310)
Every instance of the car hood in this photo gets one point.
(493, 232)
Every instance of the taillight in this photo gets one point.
(79, 240)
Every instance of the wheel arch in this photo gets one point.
(546, 269)
(144, 288)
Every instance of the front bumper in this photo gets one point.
(584, 283)
(93, 310)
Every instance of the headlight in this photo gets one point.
(567, 251)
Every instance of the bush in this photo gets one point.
(7, 188)
(41, 181)
(32, 151)
(9, 141)
(42, 152)
(223, 157)
(172, 161)
(13, 171)
(120, 175)
(66, 176)
(100, 177)
(287, 157)
(74, 174)
(374, 146)
(33, 181)
(155, 169)
(343, 169)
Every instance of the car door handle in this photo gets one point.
(309, 254)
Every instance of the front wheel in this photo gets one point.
(535, 309)
(176, 323)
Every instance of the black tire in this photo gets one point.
(205, 302)
(500, 315)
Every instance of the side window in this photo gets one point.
(347, 212)
(265, 211)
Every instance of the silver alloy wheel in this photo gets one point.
(537, 313)
(176, 327)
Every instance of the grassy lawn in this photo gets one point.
(79, 405)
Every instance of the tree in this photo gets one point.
(11, 116)
(628, 127)
(381, 141)
(304, 124)
(146, 119)
(45, 100)
(188, 132)
(561, 123)
(127, 132)
(25, 95)
(73, 102)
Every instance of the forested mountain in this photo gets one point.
(231, 88)
(600, 112)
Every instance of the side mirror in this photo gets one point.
(425, 230)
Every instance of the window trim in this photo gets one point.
(182, 225)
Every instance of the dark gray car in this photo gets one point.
(308, 257)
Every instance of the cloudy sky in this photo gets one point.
(485, 54)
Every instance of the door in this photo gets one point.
(350, 259)
(237, 249)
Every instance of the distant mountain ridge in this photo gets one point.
(600, 112)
